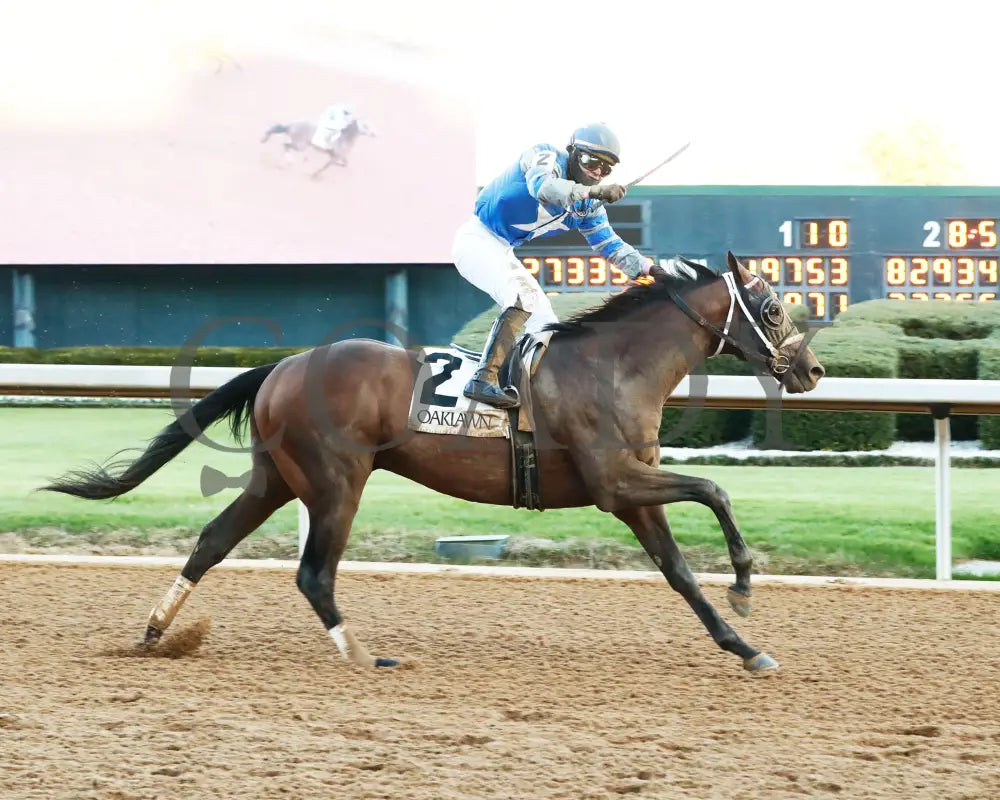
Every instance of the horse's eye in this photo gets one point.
(772, 313)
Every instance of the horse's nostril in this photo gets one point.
(817, 372)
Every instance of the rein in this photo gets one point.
(777, 364)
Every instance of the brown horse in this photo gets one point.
(322, 420)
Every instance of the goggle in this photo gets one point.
(595, 163)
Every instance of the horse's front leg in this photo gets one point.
(339, 157)
(331, 160)
(652, 530)
(628, 483)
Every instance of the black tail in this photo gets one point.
(274, 129)
(233, 399)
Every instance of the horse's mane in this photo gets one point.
(678, 278)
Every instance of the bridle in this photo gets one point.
(776, 363)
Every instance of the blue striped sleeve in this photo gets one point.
(609, 245)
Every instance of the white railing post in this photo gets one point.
(303, 526)
(942, 469)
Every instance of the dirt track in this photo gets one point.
(523, 689)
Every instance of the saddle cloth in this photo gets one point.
(438, 405)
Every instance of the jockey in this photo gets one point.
(331, 124)
(547, 191)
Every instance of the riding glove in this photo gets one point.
(608, 192)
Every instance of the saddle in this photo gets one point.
(516, 371)
(522, 358)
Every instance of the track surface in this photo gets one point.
(523, 688)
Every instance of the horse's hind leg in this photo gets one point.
(266, 493)
(330, 518)
(649, 524)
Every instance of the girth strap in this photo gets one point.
(524, 464)
(524, 457)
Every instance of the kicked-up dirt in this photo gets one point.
(519, 688)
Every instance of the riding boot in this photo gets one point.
(484, 386)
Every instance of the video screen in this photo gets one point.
(223, 133)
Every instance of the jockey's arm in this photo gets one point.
(545, 181)
(610, 246)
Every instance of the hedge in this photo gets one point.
(940, 339)
(989, 370)
(843, 353)
(936, 319)
(937, 358)
(148, 356)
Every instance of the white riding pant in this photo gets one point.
(488, 263)
(330, 126)
(325, 136)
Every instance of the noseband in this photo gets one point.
(776, 363)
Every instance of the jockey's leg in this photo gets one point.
(489, 263)
(324, 136)
(484, 386)
(542, 314)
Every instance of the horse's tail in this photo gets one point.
(274, 129)
(233, 399)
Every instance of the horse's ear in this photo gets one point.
(742, 274)
(734, 264)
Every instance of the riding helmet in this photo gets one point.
(596, 138)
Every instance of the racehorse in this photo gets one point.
(321, 421)
(300, 138)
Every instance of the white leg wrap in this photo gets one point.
(163, 614)
(337, 633)
(350, 648)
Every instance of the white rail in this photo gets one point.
(942, 398)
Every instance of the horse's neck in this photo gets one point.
(659, 344)
(695, 342)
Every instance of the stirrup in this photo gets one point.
(492, 395)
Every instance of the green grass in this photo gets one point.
(852, 521)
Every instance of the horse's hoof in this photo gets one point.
(152, 636)
(386, 662)
(761, 664)
(739, 601)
